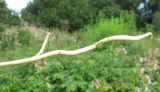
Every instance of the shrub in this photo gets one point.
(7, 41)
(25, 37)
(20, 37)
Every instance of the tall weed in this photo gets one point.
(125, 24)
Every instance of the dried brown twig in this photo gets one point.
(73, 52)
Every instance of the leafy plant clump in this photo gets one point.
(20, 37)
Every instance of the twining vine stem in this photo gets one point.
(41, 55)
(42, 49)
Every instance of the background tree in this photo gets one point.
(7, 16)
(73, 14)
(58, 13)
(4, 13)
(68, 14)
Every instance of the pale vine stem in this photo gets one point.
(73, 52)
(44, 45)
(42, 49)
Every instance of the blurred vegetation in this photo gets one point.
(4, 13)
(156, 21)
(8, 17)
(114, 67)
(15, 39)
(61, 14)
(119, 66)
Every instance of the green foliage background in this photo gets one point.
(119, 66)
(114, 67)
(72, 14)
